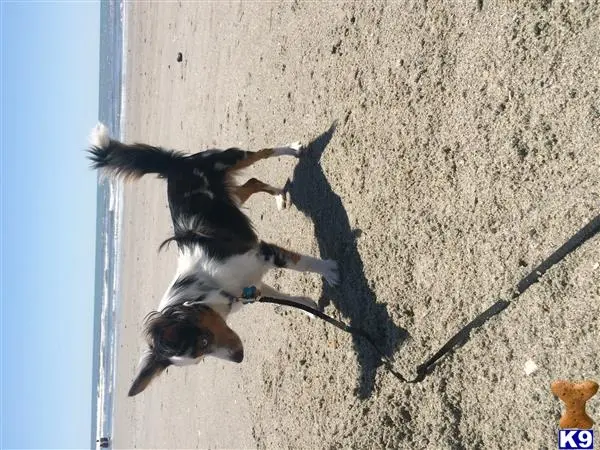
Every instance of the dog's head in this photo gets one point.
(182, 335)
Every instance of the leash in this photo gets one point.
(249, 295)
(461, 337)
(354, 331)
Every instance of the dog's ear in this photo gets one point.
(149, 367)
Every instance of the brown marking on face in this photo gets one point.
(574, 396)
(224, 337)
(252, 158)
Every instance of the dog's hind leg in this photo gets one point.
(252, 186)
(280, 257)
(234, 159)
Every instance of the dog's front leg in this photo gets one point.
(280, 257)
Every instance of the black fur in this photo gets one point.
(199, 193)
(202, 209)
(273, 253)
(175, 332)
(134, 161)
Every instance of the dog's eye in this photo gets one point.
(203, 343)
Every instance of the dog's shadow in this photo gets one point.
(311, 193)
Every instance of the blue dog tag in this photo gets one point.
(249, 292)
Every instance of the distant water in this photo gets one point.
(108, 226)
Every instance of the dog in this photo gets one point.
(219, 252)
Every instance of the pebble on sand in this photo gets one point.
(530, 367)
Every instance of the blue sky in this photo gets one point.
(49, 104)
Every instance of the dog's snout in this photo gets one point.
(238, 355)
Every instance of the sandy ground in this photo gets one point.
(467, 150)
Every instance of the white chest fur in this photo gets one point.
(231, 275)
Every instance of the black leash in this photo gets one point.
(342, 326)
(456, 341)
(461, 337)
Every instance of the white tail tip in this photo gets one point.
(99, 136)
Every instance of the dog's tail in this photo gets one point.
(129, 161)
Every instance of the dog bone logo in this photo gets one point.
(574, 396)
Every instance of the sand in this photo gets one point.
(467, 149)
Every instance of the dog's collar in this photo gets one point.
(250, 294)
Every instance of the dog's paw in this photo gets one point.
(298, 148)
(331, 272)
(283, 201)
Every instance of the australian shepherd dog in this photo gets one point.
(220, 253)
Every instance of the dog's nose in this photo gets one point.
(238, 355)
